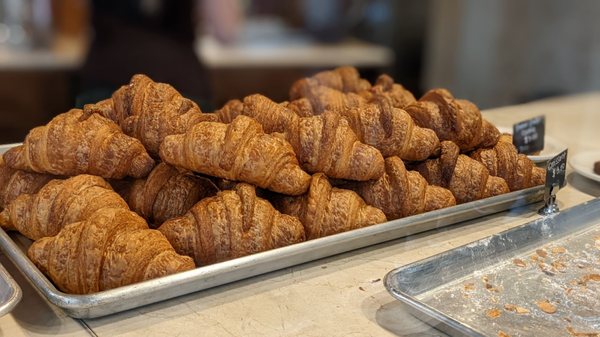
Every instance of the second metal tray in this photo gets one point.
(539, 279)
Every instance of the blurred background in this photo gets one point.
(59, 54)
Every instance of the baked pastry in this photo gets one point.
(232, 224)
(112, 248)
(73, 143)
(238, 151)
(323, 143)
(326, 210)
(150, 111)
(597, 167)
(166, 193)
(376, 122)
(503, 161)
(465, 177)
(57, 204)
(400, 193)
(16, 182)
(344, 79)
(453, 119)
(396, 93)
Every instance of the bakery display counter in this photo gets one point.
(338, 295)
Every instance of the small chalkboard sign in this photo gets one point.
(528, 136)
(555, 171)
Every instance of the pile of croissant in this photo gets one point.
(144, 184)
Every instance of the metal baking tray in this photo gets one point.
(498, 286)
(10, 293)
(135, 295)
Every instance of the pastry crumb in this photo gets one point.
(546, 306)
(519, 263)
(493, 313)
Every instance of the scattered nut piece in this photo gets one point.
(546, 306)
(493, 313)
(519, 263)
(516, 308)
(541, 253)
(558, 250)
(573, 332)
(503, 334)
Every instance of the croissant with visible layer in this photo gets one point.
(16, 182)
(504, 161)
(150, 111)
(238, 151)
(73, 143)
(400, 193)
(327, 210)
(57, 204)
(232, 224)
(166, 193)
(453, 119)
(344, 79)
(465, 177)
(112, 248)
(376, 122)
(323, 143)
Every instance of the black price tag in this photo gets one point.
(528, 136)
(555, 171)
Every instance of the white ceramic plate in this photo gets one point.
(552, 147)
(583, 163)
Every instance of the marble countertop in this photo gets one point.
(341, 295)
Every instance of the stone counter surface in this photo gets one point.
(341, 295)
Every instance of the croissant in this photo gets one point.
(323, 143)
(238, 151)
(385, 86)
(376, 123)
(72, 144)
(503, 161)
(345, 79)
(327, 210)
(465, 177)
(58, 203)
(232, 224)
(166, 193)
(150, 111)
(112, 248)
(453, 119)
(16, 182)
(400, 193)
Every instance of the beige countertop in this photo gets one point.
(341, 295)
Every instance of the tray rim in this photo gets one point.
(421, 309)
(16, 295)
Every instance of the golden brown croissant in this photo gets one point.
(327, 210)
(453, 119)
(503, 161)
(376, 123)
(58, 203)
(72, 144)
(238, 151)
(16, 182)
(166, 193)
(465, 177)
(345, 79)
(112, 248)
(150, 111)
(399, 193)
(323, 143)
(385, 86)
(232, 224)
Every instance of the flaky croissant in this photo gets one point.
(59, 203)
(232, 224)
(72, 143)
(16, 182)
(323, 143)
(453, 119)
(112, 248)
(465, 177)
(503, 161)
(400, 193)
(238, 151)
(326, 210)
(150, 111)
(166, 193)
(345, 79)
(376, 123)
(396, 93)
